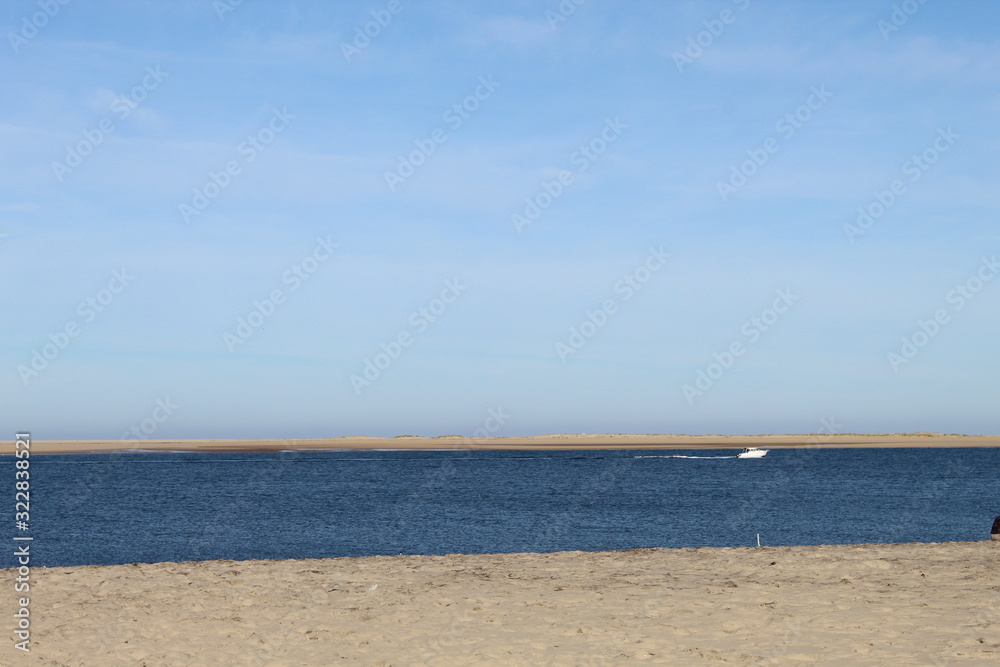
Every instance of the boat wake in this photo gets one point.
(679, 456)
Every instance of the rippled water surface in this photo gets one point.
(145, 507)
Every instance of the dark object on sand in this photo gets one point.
(995, 533)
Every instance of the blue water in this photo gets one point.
(146, 507)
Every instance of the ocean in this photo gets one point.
(149, 507)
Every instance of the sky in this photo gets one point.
(310, 219)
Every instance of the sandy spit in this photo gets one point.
(541, 442)
(899, 604)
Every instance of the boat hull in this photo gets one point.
(752, 454)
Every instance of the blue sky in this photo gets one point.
(695, 263)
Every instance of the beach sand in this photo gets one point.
(539, 442)
(900, 604)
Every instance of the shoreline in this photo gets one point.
(555, 442)
(747, 549)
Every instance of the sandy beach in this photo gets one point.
(540, 442)
(900, 604)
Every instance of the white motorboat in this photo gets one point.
(752, 453)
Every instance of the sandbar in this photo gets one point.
(540, 442)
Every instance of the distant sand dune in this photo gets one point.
(553, 442)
